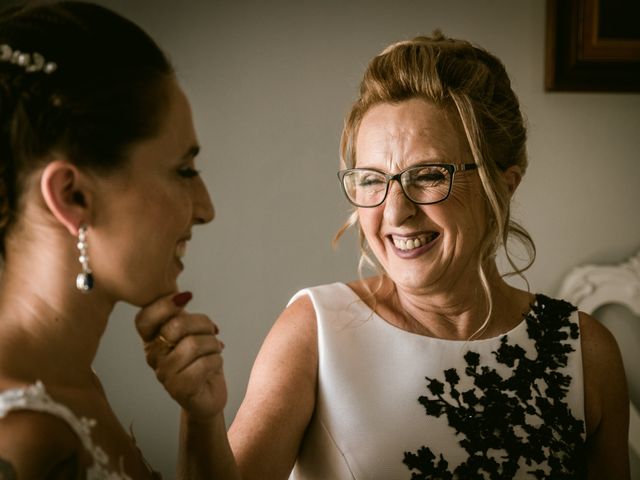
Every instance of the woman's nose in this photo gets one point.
(397, 207)
(203, 207)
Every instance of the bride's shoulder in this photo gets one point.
(34, 443)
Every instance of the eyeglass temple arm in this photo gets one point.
(461, 167)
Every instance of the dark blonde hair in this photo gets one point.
(472, 84)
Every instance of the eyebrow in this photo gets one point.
(192, 152)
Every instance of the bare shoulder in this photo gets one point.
(294, 333)
(594, 333)
(299, 314)
(38, 445)
(268, 429)
(290, 348)
(606, 401)
(601, 358)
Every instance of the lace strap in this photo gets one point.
(35, 398)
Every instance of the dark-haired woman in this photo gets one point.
(98, 197)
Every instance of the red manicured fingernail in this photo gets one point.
(181, 299)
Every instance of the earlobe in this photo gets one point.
(512, 177)
(62, 188)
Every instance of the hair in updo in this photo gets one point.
(107, 92)
(472, 84)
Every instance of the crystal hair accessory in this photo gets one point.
(84, 280)
(31, 62)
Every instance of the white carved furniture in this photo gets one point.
(591, 287)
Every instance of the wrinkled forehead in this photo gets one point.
(393, 136)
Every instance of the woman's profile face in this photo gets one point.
(421, 245)
(145, 211)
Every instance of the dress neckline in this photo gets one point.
(515, 330)
(36, 398)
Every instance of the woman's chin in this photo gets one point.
(151, 294)
(416, 280)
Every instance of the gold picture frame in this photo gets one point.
(593, 45)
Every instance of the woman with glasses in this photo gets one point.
(436, 367)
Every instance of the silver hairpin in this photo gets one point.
(31, 62)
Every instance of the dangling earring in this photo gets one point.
(84, 280)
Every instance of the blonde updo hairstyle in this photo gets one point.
(472, 84)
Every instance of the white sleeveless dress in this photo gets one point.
(395, 405)
(35, 398)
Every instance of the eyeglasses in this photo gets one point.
(422, 184)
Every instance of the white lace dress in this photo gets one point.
(35, 397)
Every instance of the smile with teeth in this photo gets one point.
(405, 244)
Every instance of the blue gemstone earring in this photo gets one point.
(84, 280)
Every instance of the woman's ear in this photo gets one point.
(512, 177)
(63, 187)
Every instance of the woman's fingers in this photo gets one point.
(174, 331)
(183, 324)
(183, 350)
(151, 318)
(189, 350)
(200, 387)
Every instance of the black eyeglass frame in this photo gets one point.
(452, 168)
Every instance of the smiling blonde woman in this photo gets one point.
(437, 368)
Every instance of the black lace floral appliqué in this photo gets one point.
(493, 419)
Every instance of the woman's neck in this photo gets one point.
(459, 311)
(54, 328)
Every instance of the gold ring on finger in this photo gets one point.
(170, 345)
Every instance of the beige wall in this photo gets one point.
(269, 83)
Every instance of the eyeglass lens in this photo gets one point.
(423, 184)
